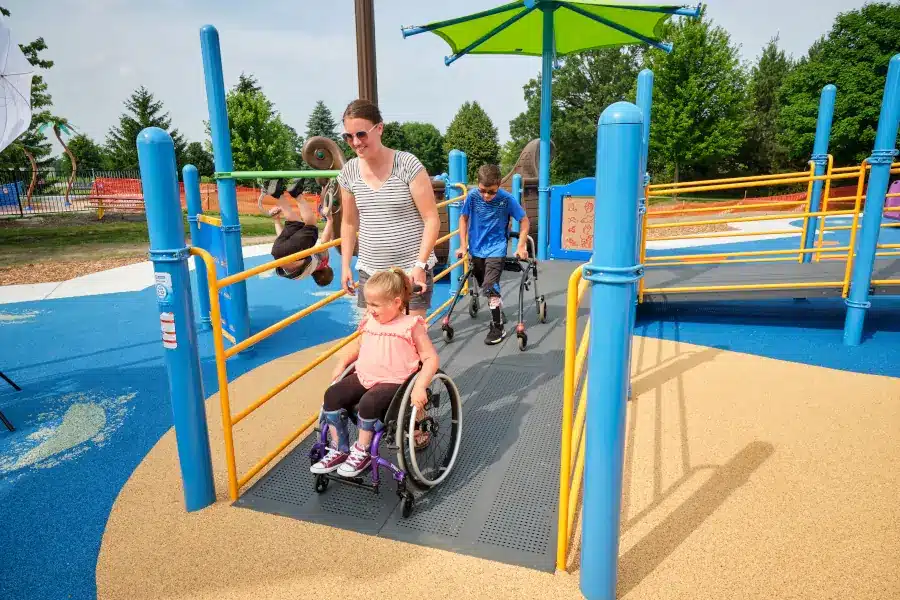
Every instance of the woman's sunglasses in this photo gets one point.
(360, 135)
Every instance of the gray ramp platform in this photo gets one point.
(500, 502)
(831, 271)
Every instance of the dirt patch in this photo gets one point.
(61, 270)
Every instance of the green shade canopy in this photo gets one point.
(517, 27)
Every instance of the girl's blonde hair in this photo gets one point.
(392, 283)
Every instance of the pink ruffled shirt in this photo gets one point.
(387, 352)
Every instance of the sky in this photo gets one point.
(302, 51)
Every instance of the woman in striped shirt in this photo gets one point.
(386, 197)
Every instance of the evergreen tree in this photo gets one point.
(321, 122)
(763, 151)
(142, 111)
(473, 132)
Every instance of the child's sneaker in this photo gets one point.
(495, 334)
(358, 461)
(275, 187)
(330, 462)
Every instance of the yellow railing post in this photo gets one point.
(809, 189)
(854, 228)
(826, 196)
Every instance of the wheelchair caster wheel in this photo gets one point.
(542, 310)
(321, 483)
(448, 333)
(473, 307)
(523, 341)
(408, 503)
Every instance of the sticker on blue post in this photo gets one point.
(167, 326)
(163, 286)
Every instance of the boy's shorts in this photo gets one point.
(296, 236)
(487, 273)
(416, 302)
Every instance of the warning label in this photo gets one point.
(167, 325)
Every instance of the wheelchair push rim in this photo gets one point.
(414, 462)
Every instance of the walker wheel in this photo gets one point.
(473, 307)
(408, 504)
(448, 333)
(321, 483)
(523, 340)
(542, 310)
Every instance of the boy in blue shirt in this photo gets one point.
(484, 229)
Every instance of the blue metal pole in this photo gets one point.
(169, 253)
(517, 194)
(820, 158)
(191, 179)
(546, 103)
(882, 155)
(613, 273)
(457, 166)
(221, 143)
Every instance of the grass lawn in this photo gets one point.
(80, 236)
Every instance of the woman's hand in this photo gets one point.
(347, 280)
(419, 397)
(417, 277)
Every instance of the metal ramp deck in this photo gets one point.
(500, 502)
(809, 280)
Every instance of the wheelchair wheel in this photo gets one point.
(429, 439)
(447, 332)
(473, 307)
(542, 310)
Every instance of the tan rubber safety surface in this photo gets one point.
(745, 477)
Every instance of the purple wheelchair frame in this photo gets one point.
(378, 462)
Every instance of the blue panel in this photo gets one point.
(583, 187)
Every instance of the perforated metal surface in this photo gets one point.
(500, 500)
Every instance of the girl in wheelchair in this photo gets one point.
(390, 348)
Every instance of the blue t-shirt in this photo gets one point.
(488, 222)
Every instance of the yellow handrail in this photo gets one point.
(809, 189)
(720, 208)
(575, 291)
(848, 269)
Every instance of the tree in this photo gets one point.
(763, 150)
(854, 57)
(195, 154)
(32, 144)
(321, 122)
(394, 137)
(426, 142)
(585, 84)
(88, 155)
(699, 99)
(260, 140)
(142, 111)
(473, 132)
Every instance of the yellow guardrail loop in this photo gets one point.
(229, 420)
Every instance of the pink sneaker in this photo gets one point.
(330, 462)
(358, 461)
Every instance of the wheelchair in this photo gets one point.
(529, 271)
(419, 468)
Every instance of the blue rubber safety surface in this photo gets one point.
(98, 360)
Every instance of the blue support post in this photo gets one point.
(820, 158)
(221, 143)
(613, 273)
(169, 253)
(191, 179)
(458, 175)
(546, 103)
(517, 194)
(882, 156)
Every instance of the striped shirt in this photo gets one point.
(390, 226)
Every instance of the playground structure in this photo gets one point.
(595, 368)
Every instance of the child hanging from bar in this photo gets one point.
(297, 229)
(484, 230)
(391, 347)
